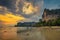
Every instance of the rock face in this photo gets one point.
(50, 14)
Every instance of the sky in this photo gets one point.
(52, 4)
(14, 11)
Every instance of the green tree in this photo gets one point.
(58, 22)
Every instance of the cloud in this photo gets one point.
(17, 4)
(8, 3)
(8, 18)
(26, 9)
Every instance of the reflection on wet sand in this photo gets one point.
(8, 33)
(34, 33)
(11, 33)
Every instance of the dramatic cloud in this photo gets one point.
(9, 18)
(28, 8)
(12, 11)
(17, 4)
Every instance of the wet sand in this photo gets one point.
(8, 33)
(36, 33)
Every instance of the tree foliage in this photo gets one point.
(48, 23)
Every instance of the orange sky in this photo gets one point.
(9, 18)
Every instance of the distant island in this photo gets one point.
(25, 24)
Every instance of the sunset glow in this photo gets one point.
(9, 18)
(28, 8)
